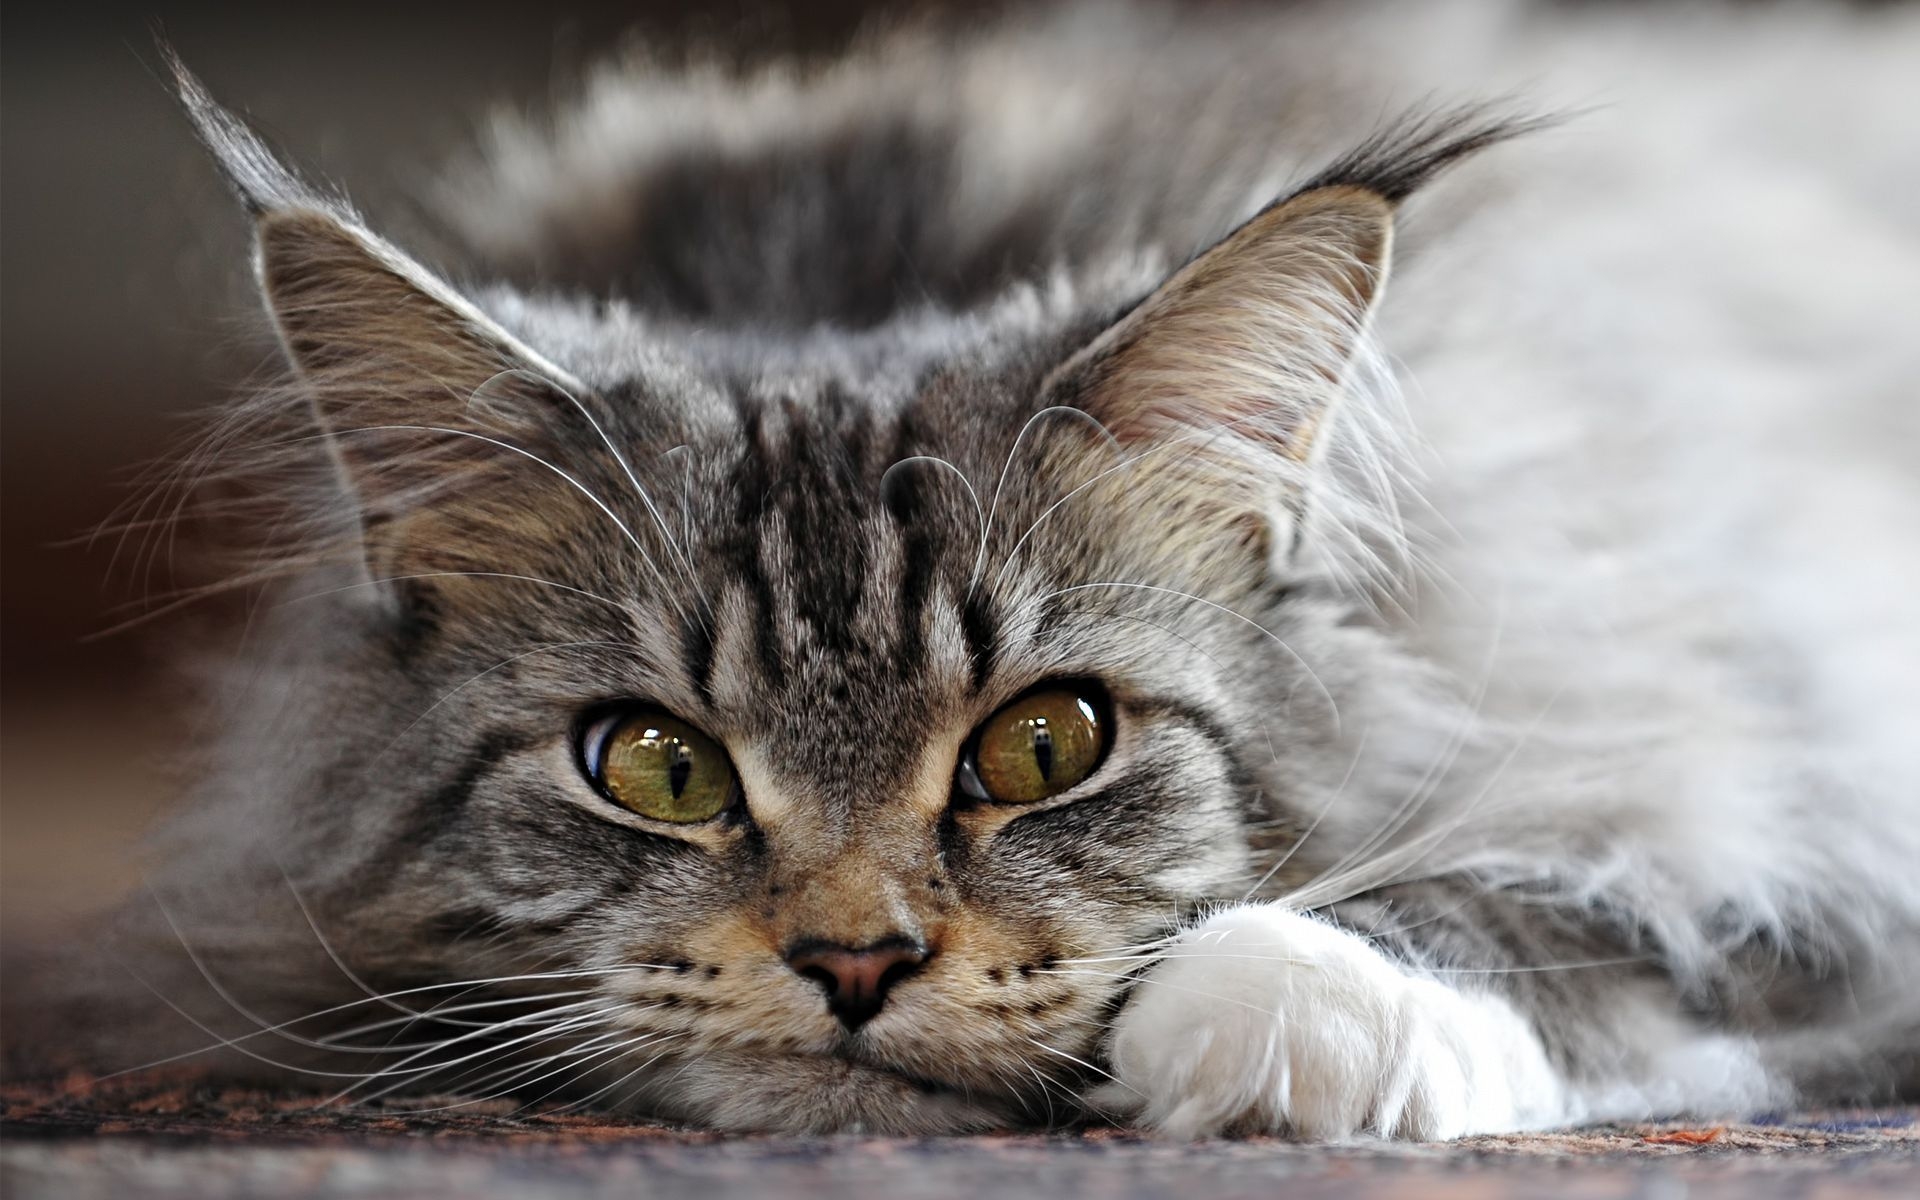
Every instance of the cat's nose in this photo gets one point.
(857, 981)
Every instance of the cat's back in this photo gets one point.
(928, 166)
(941, 163)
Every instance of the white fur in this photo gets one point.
(1264, 1020)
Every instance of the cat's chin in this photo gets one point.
(804, 1094)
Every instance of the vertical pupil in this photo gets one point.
(680, 769)
(1043, 748)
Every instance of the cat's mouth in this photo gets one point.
(830, 1093)
(854, 1056)
(926, 1085)
(1008, 1109)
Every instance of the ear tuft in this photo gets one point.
(1224, 381)
(389, 356)
(256, 176)
(1403, 157)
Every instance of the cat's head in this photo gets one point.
(823, 722)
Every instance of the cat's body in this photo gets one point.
(1555, 711)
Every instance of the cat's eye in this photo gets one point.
(1042, 744)
(651, 762)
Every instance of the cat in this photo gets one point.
(1072, 569)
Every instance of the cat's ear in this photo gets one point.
(382, 344)
(407, 379)
(1223, 381)
(1252, 337)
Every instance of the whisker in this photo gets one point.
(499, 1081)
(1189, 440)
(1326, 808)
(589, 1099)
(686, 563)
(578, 486)
(1144, 979)
(887, 476)
(1420, 847)
(222, 1041)
(1181, 950)
(579, 1059)
(1430, 781)
(1536, 968)
(993, 509)
(1275, 638)
(505, 662)
(445, 1017)
(1089, 1066)
(220, 989)
(406, 1068)
(367, 583)
(327, 946)
(583, 1066)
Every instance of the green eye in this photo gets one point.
(1039, 746)
(657, 765)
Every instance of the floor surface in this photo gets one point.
(171, 1138)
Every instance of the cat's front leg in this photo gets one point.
(1264, 1020)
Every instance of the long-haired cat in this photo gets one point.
(1088, 567)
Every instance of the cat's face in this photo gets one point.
(822, 725)
(824, 634)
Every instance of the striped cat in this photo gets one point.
(1081, 570)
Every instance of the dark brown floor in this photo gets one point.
(171, 1138)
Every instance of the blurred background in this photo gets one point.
(125, 308)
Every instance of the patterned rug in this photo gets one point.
(169, 1136)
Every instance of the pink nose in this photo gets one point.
(857, 981)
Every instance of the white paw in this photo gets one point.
(1262, 1020)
